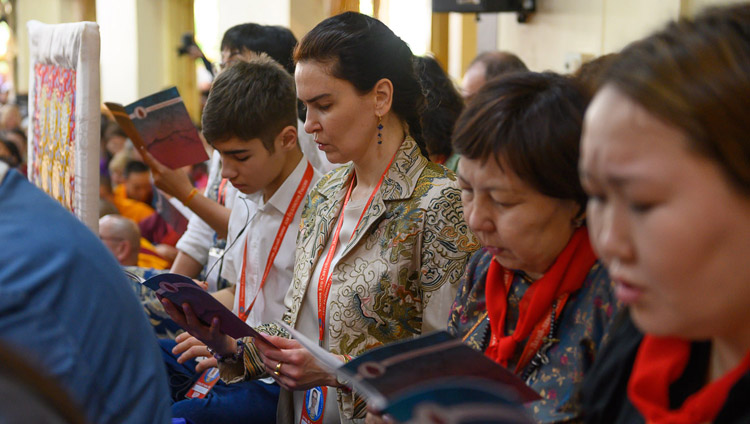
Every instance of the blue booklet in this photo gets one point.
(428, 375)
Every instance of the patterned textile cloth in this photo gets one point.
(582, 330)
(63, 156)
(164, 327)
(399, 274)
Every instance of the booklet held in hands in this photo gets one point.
(160, 124)
(180, 289)
(435, 375)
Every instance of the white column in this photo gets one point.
(118, 27)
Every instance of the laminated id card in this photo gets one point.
(205, 383)
(315, 403)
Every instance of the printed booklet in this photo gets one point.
(160, 124)
(181, 289)
(433, 378)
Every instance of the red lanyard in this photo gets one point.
(291, 210)
(326, 279)
(221, 194)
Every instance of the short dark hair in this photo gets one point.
(695, 75)
(530, 122)
(250, 99)
(362, 50)
(275, 41)
(444, 105)
(498, 63)
(135, 167)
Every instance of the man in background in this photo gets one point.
(487, 66)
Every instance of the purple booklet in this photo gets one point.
(180, 289)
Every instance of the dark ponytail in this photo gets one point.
(363, 50)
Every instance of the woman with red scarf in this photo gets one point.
(666, 162)
(534, 299)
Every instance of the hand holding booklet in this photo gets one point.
(180, 289)
(435, 375)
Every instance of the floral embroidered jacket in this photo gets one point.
(399, 273)
(582, 330)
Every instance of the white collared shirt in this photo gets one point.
(261, 222)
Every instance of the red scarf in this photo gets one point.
(661, 361)
(565, 276)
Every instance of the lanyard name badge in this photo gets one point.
(324, 288)
(291, 210)
(205, 383)
(314, 405)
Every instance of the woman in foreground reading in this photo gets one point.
(666, 163)
(535, 299)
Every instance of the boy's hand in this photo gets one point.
(188, 347)
(174, 182)
(210, 335)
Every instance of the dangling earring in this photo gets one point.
(380, 128)
(578, 222)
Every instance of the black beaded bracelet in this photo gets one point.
(229, 358)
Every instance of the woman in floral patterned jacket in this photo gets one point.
(535, 298)
(382, 242)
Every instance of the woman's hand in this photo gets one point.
(188, 347)
(210, 335)
(299, 370)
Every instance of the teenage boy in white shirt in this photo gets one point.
(250, 118)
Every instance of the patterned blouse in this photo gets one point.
(396, 278)
(582, 330)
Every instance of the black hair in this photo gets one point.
(135, 167)
(362, 50)
(444, 105)
(531, 122)
(275, 41)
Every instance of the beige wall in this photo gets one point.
(233, 12)
(561, 29)
(48, 12)
(304, 15)
(119, 50)
(133, 69)
(154, 48)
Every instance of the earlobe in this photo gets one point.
(383, 96)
